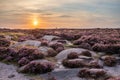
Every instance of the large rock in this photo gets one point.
(114, 71)
(7, 70)
(67, 74)
(61, 41)
(63, 54)
(37, 66)
(50, 37)
(32, 43)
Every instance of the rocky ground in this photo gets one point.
(91, 54)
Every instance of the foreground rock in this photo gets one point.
(63, 54)
(8, 72)
(32, 43)
(37, 66)
(70, 74)
(50, 37)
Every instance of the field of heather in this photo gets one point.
(60, 54)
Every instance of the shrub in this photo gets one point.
(24, 38)
(8, 59)
(110, 61)
(92, 39)
(114, 78)
(30, 53)
(4, 42)
(85, 46)
(59, 49)
(95, 64)
(23, 61)
(76, 63)
(56, 45)
(7, 53)
(72, 55)
(3, 52)
(108, 48)
(44, 43)
(86, 53)
(52, 53)
(91, 73)
(37, 66)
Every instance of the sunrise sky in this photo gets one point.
(25, 14)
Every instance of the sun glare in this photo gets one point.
(35, 22)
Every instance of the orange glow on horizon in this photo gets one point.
(35, 22)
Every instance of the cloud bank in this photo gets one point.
(61, 14)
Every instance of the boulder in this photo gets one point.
(32, 43)
(50, 37)
(63, 54)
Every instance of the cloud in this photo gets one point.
(65, 16)
(62, 12)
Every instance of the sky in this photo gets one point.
(27, 14)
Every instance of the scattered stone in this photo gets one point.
(11, 76)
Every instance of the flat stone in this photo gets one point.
(63, 54)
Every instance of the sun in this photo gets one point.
(35, 22)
